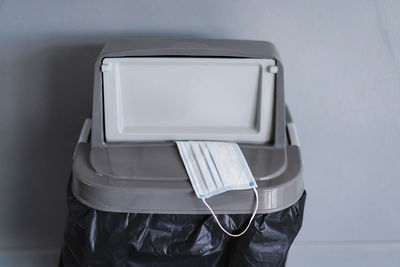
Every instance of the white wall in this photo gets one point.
(342, 61)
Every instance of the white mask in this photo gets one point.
(214, 168)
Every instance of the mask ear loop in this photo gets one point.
(251, 219)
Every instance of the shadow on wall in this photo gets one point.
(55, 84)
(50, 81)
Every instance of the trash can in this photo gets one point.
(130, 199)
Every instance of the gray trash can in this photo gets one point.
(130, 199)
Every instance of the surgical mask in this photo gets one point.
(214, 168)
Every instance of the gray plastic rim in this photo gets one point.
(116, 195)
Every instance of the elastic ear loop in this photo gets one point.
(251, 219)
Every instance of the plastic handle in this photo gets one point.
(84, 135)
(293, 137)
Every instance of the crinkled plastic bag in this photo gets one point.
(98, 238)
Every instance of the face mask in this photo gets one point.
(214, 168)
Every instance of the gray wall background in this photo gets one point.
(342, 61)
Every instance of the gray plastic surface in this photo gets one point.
(149, 177)
(100, 156)
(173, 47)
(154, 186)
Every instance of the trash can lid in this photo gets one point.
(150, 92)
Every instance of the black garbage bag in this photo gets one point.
(97, 238)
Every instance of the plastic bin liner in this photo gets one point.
(98, 238)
